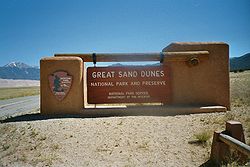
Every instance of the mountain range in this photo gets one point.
(19, 70)
(240, 63)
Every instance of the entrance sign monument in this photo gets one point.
(188, 78)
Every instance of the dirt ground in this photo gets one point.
(118, 141)
(112, 141)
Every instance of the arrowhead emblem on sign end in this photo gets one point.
(60, 83)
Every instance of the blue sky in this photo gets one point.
(32, 29)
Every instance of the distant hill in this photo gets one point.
(240, 63)
(19, 70)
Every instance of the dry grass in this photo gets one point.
(8, 93)
(202, 137)
(144, 145)
(240, 89)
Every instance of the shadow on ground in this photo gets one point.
(92, 114)
(39, 117)
(99, 114)
(209, 163)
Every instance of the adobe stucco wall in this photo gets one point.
(73, 102)
(204, 84)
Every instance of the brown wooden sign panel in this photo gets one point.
(128, 84)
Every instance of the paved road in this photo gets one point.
(18, 105)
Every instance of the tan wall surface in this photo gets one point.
(204, 84)
(73, 102)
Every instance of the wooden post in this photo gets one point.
(130, 57)
(220, 151)
(235, 130)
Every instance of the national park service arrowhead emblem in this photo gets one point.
(60, 83)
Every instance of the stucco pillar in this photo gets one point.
(67, 74)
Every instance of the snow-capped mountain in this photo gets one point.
(18, 65)
(19, 70)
